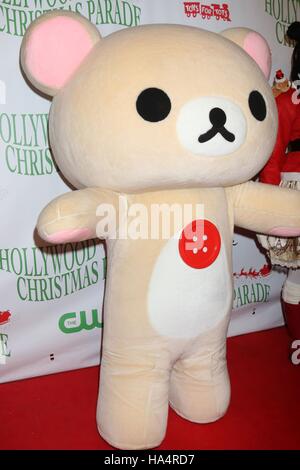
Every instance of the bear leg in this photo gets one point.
(132, 408)
(200, 387)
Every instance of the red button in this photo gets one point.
(199, 244)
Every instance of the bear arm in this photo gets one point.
(72, 217)
(265, 208)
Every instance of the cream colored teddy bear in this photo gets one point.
(159, 116)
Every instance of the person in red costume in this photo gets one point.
(283, 168)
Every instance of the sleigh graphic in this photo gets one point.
(254, 274)
(4, 317)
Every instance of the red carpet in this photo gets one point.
(58, 411)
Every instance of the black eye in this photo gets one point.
(153, 105)
(257, 105)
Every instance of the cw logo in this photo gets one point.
(73, 322)
(296, 354)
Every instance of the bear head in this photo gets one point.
(152, 107)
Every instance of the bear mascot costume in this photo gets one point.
(168, 117)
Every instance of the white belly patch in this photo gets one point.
(183, 301)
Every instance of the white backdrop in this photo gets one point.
(51, 297)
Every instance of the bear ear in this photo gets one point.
(254, 44)
(53, 48)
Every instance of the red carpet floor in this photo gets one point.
(58, 411)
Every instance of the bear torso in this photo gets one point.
(186, 278)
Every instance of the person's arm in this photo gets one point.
(270, 174)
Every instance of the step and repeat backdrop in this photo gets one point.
(51, 296)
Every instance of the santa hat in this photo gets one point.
(279, 77)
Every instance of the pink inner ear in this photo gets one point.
(55, 49)
(259, 50)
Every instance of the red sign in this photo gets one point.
(192, 8)
(214, 10)
(4, 317)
